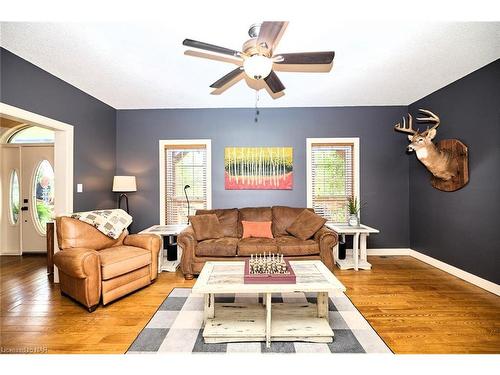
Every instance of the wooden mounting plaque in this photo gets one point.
(460, 155)
(268, 278)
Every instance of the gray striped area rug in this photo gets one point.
(177, 327)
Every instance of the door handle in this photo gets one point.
(24, 208)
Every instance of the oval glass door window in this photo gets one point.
(43, 195)
(14, 197)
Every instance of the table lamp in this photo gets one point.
(123, 185)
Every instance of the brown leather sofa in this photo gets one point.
(196, 253)
(94, 267)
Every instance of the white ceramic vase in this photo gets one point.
(353, 220)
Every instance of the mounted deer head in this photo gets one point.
(438, 162)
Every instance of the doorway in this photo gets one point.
(58, 153)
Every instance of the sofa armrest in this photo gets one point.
(78, 262)
(187, 240)
(327, 240)
(150, 242)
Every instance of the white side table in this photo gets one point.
(168, 231)
(358, 259)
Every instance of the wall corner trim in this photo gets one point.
(461, 274)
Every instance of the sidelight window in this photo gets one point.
(43, 195)
(14, 197)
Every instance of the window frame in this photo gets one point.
(27, 127)
(164, 143)
(356, 164)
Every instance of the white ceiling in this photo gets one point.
(142, 65)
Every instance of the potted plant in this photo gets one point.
(354, 207)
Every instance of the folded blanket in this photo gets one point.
(110, 222)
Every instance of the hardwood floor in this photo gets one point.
(414, 307)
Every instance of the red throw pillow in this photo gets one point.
(260, 229)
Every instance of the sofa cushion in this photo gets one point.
(248, 246)
(292, 246)
(283, 217)
(306, 224)
(253, 214)
(206, 226)
(119, 260)
(259, 229)
(217, 247)
(228, 219)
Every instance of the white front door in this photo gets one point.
(27, 197)
(37, 195)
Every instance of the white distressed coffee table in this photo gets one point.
(240, 322)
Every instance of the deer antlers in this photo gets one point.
(408, 128)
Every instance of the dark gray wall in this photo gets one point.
(461, 228)
(384, 172)
(26, 86)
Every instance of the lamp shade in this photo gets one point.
(122, 184)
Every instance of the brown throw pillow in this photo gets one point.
(206, 226)
(306, 225)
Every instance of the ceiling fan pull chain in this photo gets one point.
(257, 112)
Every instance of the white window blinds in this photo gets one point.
(332, 179)
(184, 165)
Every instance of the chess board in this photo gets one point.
(268, 278)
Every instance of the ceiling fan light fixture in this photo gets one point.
(258, 66)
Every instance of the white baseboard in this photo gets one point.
(461, 274)
(464, 275)
(389, 251)
(7, 253)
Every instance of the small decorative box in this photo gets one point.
(269, 278)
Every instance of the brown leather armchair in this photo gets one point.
(93, 267)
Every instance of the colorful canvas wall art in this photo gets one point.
(258, 168)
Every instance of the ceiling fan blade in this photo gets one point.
(274, 82)
(210, 47)
(305, 58)
(270, 33)
(227, 78)
(214, 56)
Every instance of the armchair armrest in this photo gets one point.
(78, 262)
(150, 242)
(326, 239)
(187, 240)
(80, 275)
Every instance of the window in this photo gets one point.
(14, 197)
(332, 176)
(43, 195)
(184, 163)
(32, 134)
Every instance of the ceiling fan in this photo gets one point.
(258, 56)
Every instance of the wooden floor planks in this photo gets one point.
(414, 307)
